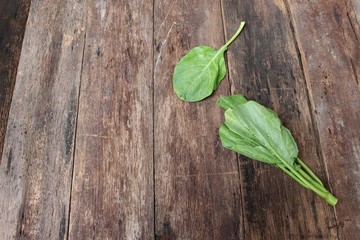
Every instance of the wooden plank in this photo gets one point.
(265, 66)
(13, 16)
(329, 36)
(356, 8)
(35, 171)
(197, 192)
(112, 195)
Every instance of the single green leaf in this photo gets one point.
(200, 71)
(196, 75)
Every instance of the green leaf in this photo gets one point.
(245, 146)
(196, 76)
(222, 72)
(261, 128)
(201, 71)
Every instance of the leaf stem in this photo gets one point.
(292, 176)
(309, 182)
(322, 192)
(313, 185)
(242, 24)
(312, 181)
(308, 170)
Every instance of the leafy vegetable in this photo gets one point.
(200, 71)
(257, 132)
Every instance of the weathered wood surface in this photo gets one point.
(99, 147)
(112, 194)
(13, 16)
(36, 167)
(331, 63)
(197, 187)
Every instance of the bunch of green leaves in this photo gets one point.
(257, 133)
(200, 71)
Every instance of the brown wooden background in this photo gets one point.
(95, 144)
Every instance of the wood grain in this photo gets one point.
(13, 16)
(331, 61)
(35, 171)
(112, 195)
(98, 146)
(197, 191)
(264, 65)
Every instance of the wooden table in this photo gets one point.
(95, 144)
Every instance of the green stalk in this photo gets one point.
(242, 24)
(322, 192)
(309, 182)
(313, 185)
(224, 48)
(293, 176)
(308, 170)
(310, 179)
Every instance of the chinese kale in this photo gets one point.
(257, 133)
(200, 72)
(249, 128)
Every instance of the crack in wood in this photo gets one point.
(75, 136)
